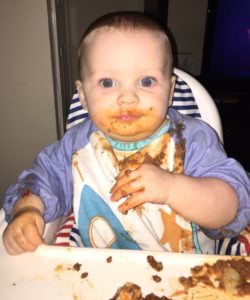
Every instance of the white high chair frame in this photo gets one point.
(209, 114)
(207, 107)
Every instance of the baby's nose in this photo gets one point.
(128, 97)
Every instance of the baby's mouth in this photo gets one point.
(127, 116)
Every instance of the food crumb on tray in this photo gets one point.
(158, 266)
(131, 291)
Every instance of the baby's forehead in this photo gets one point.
(101, 36)
(100, 31)
(92, 36)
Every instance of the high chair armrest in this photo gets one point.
(51, 229)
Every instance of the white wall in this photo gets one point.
(187, 20)
(27, 113)
(83, 12)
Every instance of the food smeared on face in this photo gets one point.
(128, 123)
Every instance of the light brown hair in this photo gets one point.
(128, 20)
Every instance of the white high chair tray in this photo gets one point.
(78, 273)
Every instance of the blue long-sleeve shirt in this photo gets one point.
(51, 178)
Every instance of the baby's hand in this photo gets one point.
(24, 233)
(146, 183)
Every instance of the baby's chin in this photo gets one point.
(128, 137)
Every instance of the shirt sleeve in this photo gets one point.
(49, 177)
(205, 157)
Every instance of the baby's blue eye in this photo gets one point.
(107, 82)
(147, 82)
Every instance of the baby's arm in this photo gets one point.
(209, 202)
(25, 230)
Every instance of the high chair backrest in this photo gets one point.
(190, 98)
(207, 107)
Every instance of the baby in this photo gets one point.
(138, 174)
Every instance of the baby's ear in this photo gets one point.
(173, 81)
(80, 91)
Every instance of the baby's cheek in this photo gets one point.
(99, 119)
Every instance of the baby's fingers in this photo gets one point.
(28, 239)
(131, 202)
(128, 170)
(123, 178)
(11, 246)
(124, 189)
(19, 237)
(32, 239)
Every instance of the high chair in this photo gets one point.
(190, 98)
(206, 105)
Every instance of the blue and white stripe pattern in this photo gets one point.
(229, 246)
(76, 113)
(183, 101)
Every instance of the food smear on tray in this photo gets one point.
(223, 279)
(226, 279)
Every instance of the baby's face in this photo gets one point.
(126, 83)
